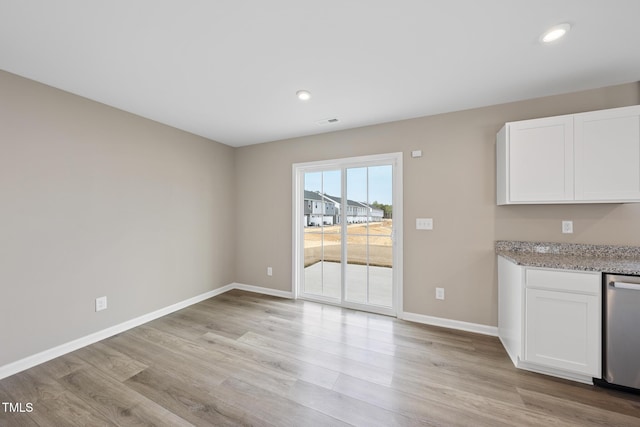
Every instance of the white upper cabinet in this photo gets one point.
(541, 160)
(607, 154)
(579, 158)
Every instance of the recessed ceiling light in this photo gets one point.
(303, 95)
(555, 33)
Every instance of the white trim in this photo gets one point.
(262, 290)
(451, 324)
(398, 235)
(559, 373)
(44, 356)
(52, 353)
(296, 238)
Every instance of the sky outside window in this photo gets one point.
(380, 185)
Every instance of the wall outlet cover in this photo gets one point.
(101, 303)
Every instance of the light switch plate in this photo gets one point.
(424, 223)
(416, 153)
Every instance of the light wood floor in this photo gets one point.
(247, 359)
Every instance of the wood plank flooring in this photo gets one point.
(247, 359)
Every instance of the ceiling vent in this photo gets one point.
(327, 121)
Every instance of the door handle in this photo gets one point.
(625, 285)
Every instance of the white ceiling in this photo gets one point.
(229, 69)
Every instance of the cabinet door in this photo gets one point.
(607, 155)
(563, 331)
(541, 160)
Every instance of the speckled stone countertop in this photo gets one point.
(572, 256)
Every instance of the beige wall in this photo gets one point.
(95, 201)
(454, 182)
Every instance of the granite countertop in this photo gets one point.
(572, 256)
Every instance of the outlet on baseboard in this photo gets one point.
(439, 293)
(101, 303)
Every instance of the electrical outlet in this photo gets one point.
(101, 303)
(269, 271)
(440, 293)
(567, 227)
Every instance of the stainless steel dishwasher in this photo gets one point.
(621, 331)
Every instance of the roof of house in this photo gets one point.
(312, 195)
(316, 195)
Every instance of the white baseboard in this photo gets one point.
(52, 353)
(585, 379)
(451, 324)
(262, 290)
(45, 356)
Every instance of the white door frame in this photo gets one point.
(298, 171)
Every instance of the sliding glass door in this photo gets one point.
(369, 231)
(345, 249)
(322, 235)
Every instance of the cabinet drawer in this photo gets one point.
(569, 281)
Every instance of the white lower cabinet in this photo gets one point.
(562, 331)
(550, 320)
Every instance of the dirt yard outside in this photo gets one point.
(329, 237)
